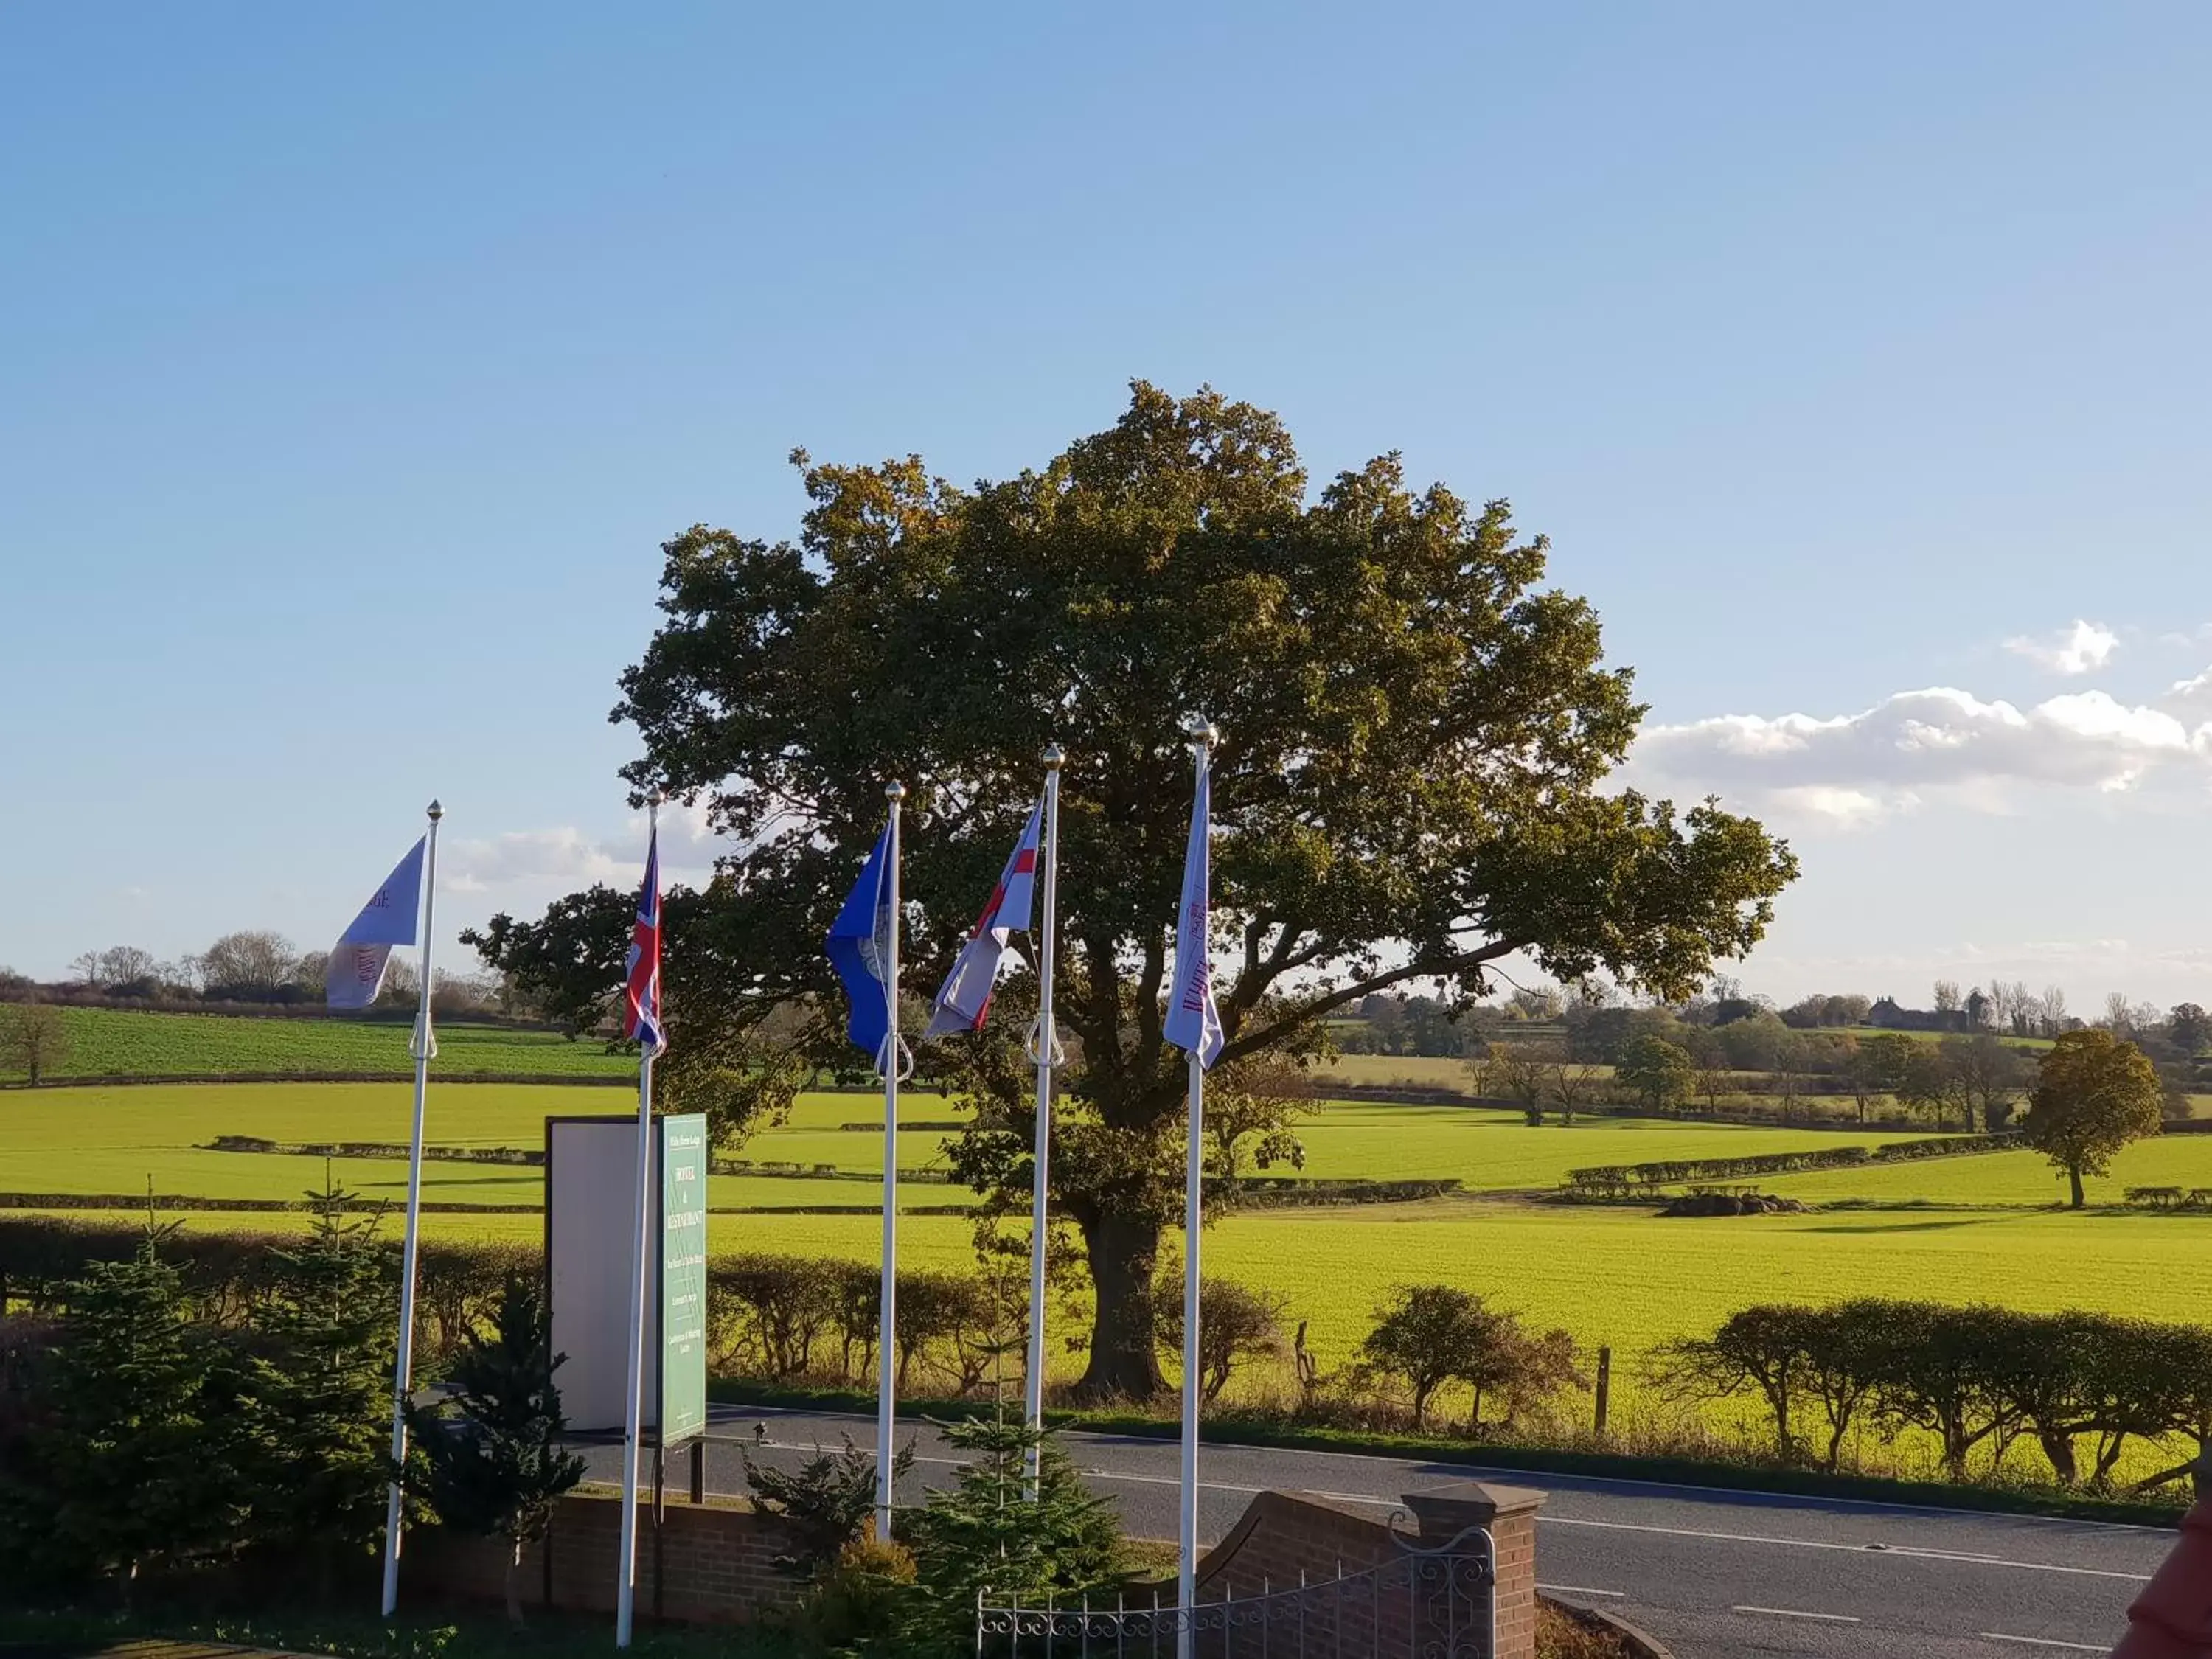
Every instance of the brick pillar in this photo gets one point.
(1510, 1513)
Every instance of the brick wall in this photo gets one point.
(1429, 1598)
(705, 1563)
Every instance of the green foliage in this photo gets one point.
(1432, 1335)
(321, 1385)
(1661, 1074)
(828, 1501)
(1237, 1324)
(857, 1604)
(489, 1463)
(2095, 1093)
(984, 1533)
(484, 1457)
(35, 1040)
(1418, 737)
(135, 1466)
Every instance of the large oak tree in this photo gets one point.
(1411, 781)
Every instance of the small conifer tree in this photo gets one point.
(322, 1389)
(491, 1463)
(985, 1534)
(133, 1468)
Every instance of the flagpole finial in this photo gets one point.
(436, 811)
(1198, 729)
(894, 790)
(655, 795)
(1053, 757)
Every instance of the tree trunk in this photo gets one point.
(2059, 1448)
(2073, 1175)
(1125, 1360)
(512, 1584)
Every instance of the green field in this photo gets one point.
(2013, 1178)
(113, 1139)
(115, 1043)
(1382, 1071)
(1491, 1149)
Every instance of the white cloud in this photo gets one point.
(1843, 809)
(1853, 768)
(565, 854)
(2193, 693)
(2077, 650)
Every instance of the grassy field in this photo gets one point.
(112, 1139)
(1418, 1071)
(1491, 1149)
(2013, 1178)
(115, 1043)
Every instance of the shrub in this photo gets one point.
(827, 1501)
(1237, 1324)
(1434, 1336)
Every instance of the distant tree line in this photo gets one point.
(251, 966)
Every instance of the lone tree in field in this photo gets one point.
(33, 1038)
(1411, 781)
(1661, 1074)
(2095, 1093)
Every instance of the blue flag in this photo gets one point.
(860, 946)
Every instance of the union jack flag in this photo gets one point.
(641, 991)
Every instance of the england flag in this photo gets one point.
(964, 1002)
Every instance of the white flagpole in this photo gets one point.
(640, 1268)
(1044, 1049)
(403, 1372)
(887, 1316)
(1202, 735)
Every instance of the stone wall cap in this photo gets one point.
(1466, 1495)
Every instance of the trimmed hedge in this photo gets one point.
(1619, 1178)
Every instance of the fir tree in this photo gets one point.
(322, 1389)
(984, 1533)
(133, 1468)
(490, 1464)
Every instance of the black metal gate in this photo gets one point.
(1415, 1604)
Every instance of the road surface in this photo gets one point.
(1713, 1574)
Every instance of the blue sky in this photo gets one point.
(356, 361)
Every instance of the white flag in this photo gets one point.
(364, 949)
(1193, 1023)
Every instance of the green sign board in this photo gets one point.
(683, 1278)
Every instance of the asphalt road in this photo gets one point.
(1713, 1574)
